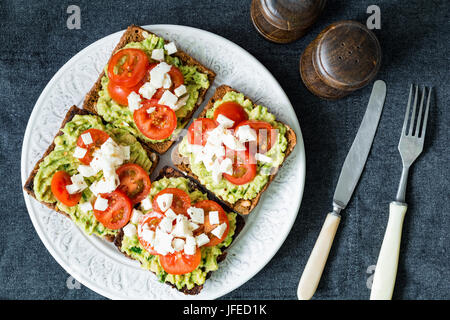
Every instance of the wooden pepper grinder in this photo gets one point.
(344, 57)
(284, 21)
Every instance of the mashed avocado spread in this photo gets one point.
(225, 189)
(132, 247)
(121, 117)
(61, 158)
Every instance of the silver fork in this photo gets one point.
(410, 147)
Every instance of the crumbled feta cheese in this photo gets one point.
(231, 142)
(105, 184)
(147, 90)
(158, 54)
(101, 204)
(189, 250)
(201, 239)
(167, 81)
(197, 214)
(246, 134)
(190, 247)
(85, 207)
(164, 201)
(182, 228)
(219, 230)
(168, 99)
(224, 121)
(87, 138)
(163, 242)
(226, 166)
(108, 158)
(166, 224)
(134, 101)
(181, 102)
(72, 188)
(180, 90)
(215, 172)
(148, 236)
(146, 204)
(78, 180)
(216, 135)
(170, 47)
(213, 217)
(86, 171)
(157, 74)
(193, 226)
(136, 216)
(178, 244)
(190, 241)
(151, 110)
(78, 184)
(171, 214)
(79, 152)
(263, 158)
(130, 230)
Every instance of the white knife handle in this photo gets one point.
(386, 269)
(316, 262)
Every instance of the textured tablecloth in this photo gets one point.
(414, 37)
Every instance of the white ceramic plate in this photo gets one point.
(98, 264)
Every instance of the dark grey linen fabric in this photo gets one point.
(415, 41)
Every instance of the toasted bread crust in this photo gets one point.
(29, 184)
(135, 34)
(169, 172)
(241, 206)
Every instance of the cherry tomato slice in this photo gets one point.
(58, 186)
(98, 138)
(175, 75)
(198, 129)
(118, 212)
(180, 202)
(157, 125)
(244, 168)
(266, 134)
(233, 111)
(120, 93)
(180, 263)
(208, 206)
(128, 67)
(134, 182)
(152, 220)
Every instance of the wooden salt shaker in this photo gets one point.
(344, 57)
(284, 21)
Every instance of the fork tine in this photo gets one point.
(405, 122)
(413, 114)
(419, 115)
(424, 127)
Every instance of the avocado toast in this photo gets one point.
(192, 282)
(196, 78)
(244, 197)
(60, 156)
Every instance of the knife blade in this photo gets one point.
(356, 158)
(348, 179)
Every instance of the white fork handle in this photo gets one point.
(386, 269)
(316, 262)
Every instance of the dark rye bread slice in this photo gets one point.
(241, 206)
(135, 34)
(170, 172)
(29, 184)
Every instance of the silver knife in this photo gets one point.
(348, 179)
